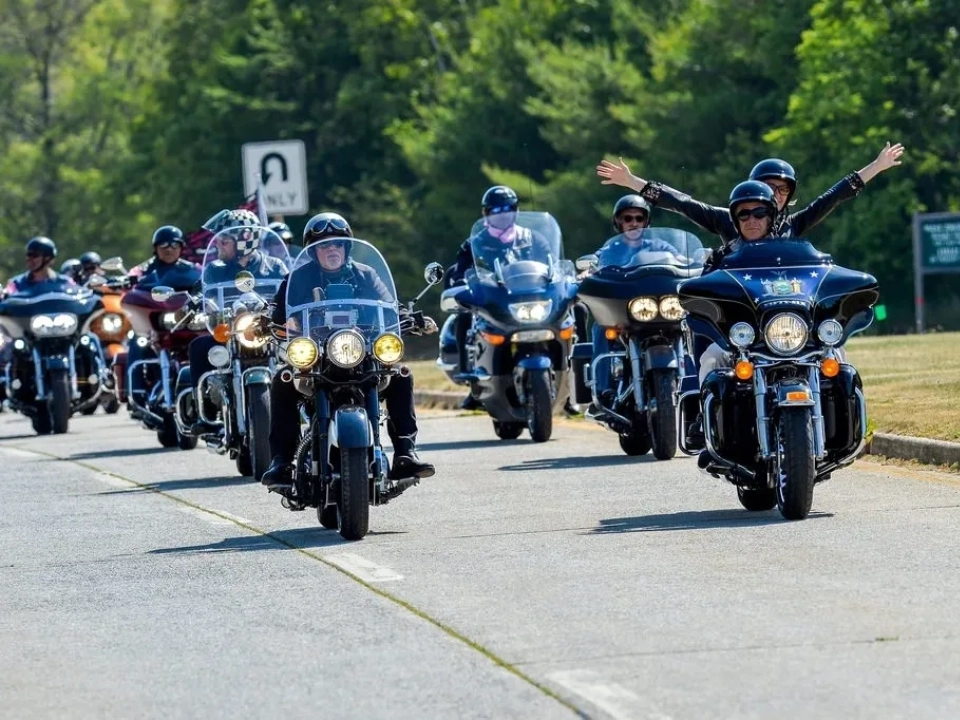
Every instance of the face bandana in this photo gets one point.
(502, 225)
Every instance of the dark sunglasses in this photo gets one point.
(333, 243)
(33, 255)
(633, 218)
(322, 226)
(503, 209)
(170, 244)
(759, 213)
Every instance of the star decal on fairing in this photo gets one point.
(814, 274)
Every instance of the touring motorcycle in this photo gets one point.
(633, 299)
(519, 344)
(112, 327)
(791, 410)
(56, 368)
(342, 352)
(238, 387)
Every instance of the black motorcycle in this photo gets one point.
(790, 410)
(520, 339)
(55, 368)
(342, 352)
(631, 291)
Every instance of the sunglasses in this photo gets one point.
(780, 189)
(34, 255)
(759, 213)
(339, 244)
(633, 218)
(503, 209)
(322, 226)
(169, 244)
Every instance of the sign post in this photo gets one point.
(281, 167)
(936, 250)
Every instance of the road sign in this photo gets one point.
(282, 166)
(936, 249)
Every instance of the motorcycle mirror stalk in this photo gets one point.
(587, 262)
(432, 274)
(114, 264)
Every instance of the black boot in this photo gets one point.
(471, 403)
(695, 438)
(279, 475)
(410, 465)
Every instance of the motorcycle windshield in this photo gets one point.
(522, 251)
(242, 271)
(341, 283)
(653, 246)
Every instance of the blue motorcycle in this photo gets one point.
(519, 293)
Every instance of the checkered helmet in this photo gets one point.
(244, 229)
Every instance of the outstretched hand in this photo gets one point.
(617, 173)
(889, 156)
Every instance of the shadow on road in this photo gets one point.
(298, 538)
(25, 436)
(186, 484)
(122, 452)
(467, 444)
(695, 520)
(582, 461)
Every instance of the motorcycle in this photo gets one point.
(113, 328)
(161, 323)
(56, 368)
(633, 298)
(791, 410)
(342, 352)
(522, 328)
(239, 385)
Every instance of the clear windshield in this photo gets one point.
(242, 270)
(521, 250)
(341, 283)
(653, 246)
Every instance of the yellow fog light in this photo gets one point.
(302, 353)
(388, 349)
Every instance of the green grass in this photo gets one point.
(911, 382)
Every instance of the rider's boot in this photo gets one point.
(279, 476)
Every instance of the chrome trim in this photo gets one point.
(165, 369)
(131, 395)
(203, 381)
(637, 374)
(38, 374)
(72, 365)
(763, 419)
(708, 440)
(819, 431)
(177, 413)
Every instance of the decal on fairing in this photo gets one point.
(764, 284)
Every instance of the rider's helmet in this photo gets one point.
(168, 235)
(630, 201)
(776, 169)
(752, 191)
(43, 246)
(499, 198)
(283, 230)
(90, 261)
(70, 267)
(327, 225)
(243, 228)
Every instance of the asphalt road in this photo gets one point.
(523, 581)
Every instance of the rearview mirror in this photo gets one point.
(245, 281)
(587, 263)
(113, 264)
(161, 293)
(433, 273)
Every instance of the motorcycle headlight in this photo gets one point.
(643, 309)
(742, 335)
(785, 333)
(218, 356)
(531, 312)
(240, 326)
(346, 348)
(670, 308)
(388, 349)
(60, 325)
(111, 323)
(168, 320)
(830, 332)
(302, 353)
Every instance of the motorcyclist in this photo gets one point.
(501, 239)
(40, 254)
(778, 174)
(71, 268)
(89, 266)
(331, 263)
(285, 234)
(238, 249)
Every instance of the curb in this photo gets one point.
(901, 447)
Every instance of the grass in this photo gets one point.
(911, 382)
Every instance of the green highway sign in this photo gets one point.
(940, 241)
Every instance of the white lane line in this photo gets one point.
(615, 700)
(208, 518)
(362, 568)
(17, 453)
(235, 518)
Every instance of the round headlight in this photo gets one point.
(670, 308)
(785, 333)
(742, 335)
(111, 323)
(240, 326)
(643, 309)
(218, 356)
(302, 353)
(39, 323)
(168, 320)
(388, 349)
(345, 348)
(830, 332)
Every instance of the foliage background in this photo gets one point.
(120, 115)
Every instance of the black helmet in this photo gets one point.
(43, 246)
(283, 230)
(70, 267)
(775, 168)
(499, 196)
(90, 258)
(752, 191)
(629, 201)
(168, 234)
(325, 225)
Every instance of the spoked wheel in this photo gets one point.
(353, 507)
(539, 406)
(508, 430)
(757, 499)
(794, 465)
(662, 416)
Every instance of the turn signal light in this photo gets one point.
(830, 367)
(221, 333)
(798, 396)
(567, 333)
(611, 333)
(493, 339)
(744, 370)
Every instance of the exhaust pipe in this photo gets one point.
(286, 376)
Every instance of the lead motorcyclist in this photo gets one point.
(778, 174)
(500, 237)
(331, 263)
(40, 254)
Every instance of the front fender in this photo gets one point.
(257, 376)
(660, 357)
(56, 362)
(535, 362)
(350, 428)
(793, 393)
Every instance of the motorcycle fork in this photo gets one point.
(72, 365)
(637, 372)
(38, 373)
(165, 369)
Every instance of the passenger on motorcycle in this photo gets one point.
(283, 230)
(89, 266)
(499, 238)
(40, 254)
(777, 174)
(332, 264)
(71, 268)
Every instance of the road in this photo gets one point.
(523, 581)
